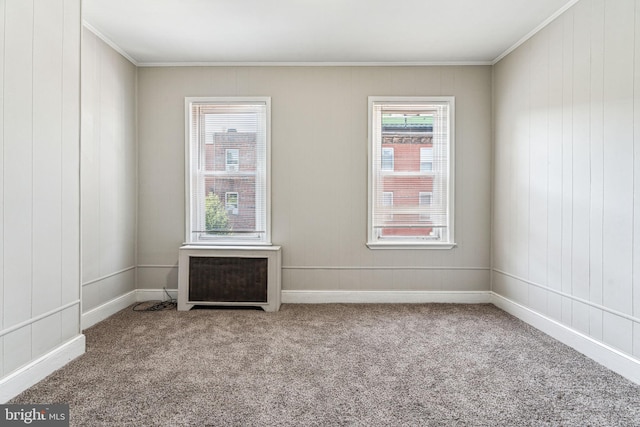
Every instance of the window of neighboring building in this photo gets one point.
(231, 203)
(426, 159)
(424, 201)
(387, 204)
(232, 160)
(386, 162)
(218, 130)
(417, 133)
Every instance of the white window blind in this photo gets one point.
(227, 168)
(418, 131)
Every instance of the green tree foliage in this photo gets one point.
(215, 214)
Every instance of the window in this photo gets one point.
(411, 157)
(426, 159)
(232, 160)
(231, 203)
(386, 163)
(387, 205)
(218, 131)
(424, 201)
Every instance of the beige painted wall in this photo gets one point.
(319, 172)
(566, 205)
(108, 173)
(39, 179)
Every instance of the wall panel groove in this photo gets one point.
(589, 125)
(39, 222)
(570, 296)
(109, 170)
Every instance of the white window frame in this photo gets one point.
(374, 240)
(263, 173)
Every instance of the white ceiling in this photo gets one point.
(317, 31)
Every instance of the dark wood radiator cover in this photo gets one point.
(227, 279)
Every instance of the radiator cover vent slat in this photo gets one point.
(228, 279)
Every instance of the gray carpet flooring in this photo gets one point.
(332, 365)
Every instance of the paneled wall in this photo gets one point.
(109, 179)
(566, 204)
(319, 173)
(39, 179)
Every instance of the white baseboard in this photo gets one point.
(107, 309)
(20, 380)
(155, 294)
(110, 308)
(409, 297)
(609, 357)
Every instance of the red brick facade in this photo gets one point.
(238, 176)
(406, 181)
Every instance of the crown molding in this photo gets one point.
(122, 52)
(313, 64)
(109, 42)
(520, 42)
(536, 30)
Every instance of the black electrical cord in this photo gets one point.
(169, 304)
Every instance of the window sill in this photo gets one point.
(410, 245)
(235, 243)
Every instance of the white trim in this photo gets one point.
(314, 64)
(360, 267)
(109, 308)
(533, 32)
(109, 42)
(391, 297)
(157, 266)
(569, 296)
(410, 245)
(155, 294)
(235, 247)
(25, 377)
(99, 279)
(206, 244)
(607, 356)
(536, 30)
(37, 318)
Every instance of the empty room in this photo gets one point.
(338, 212)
